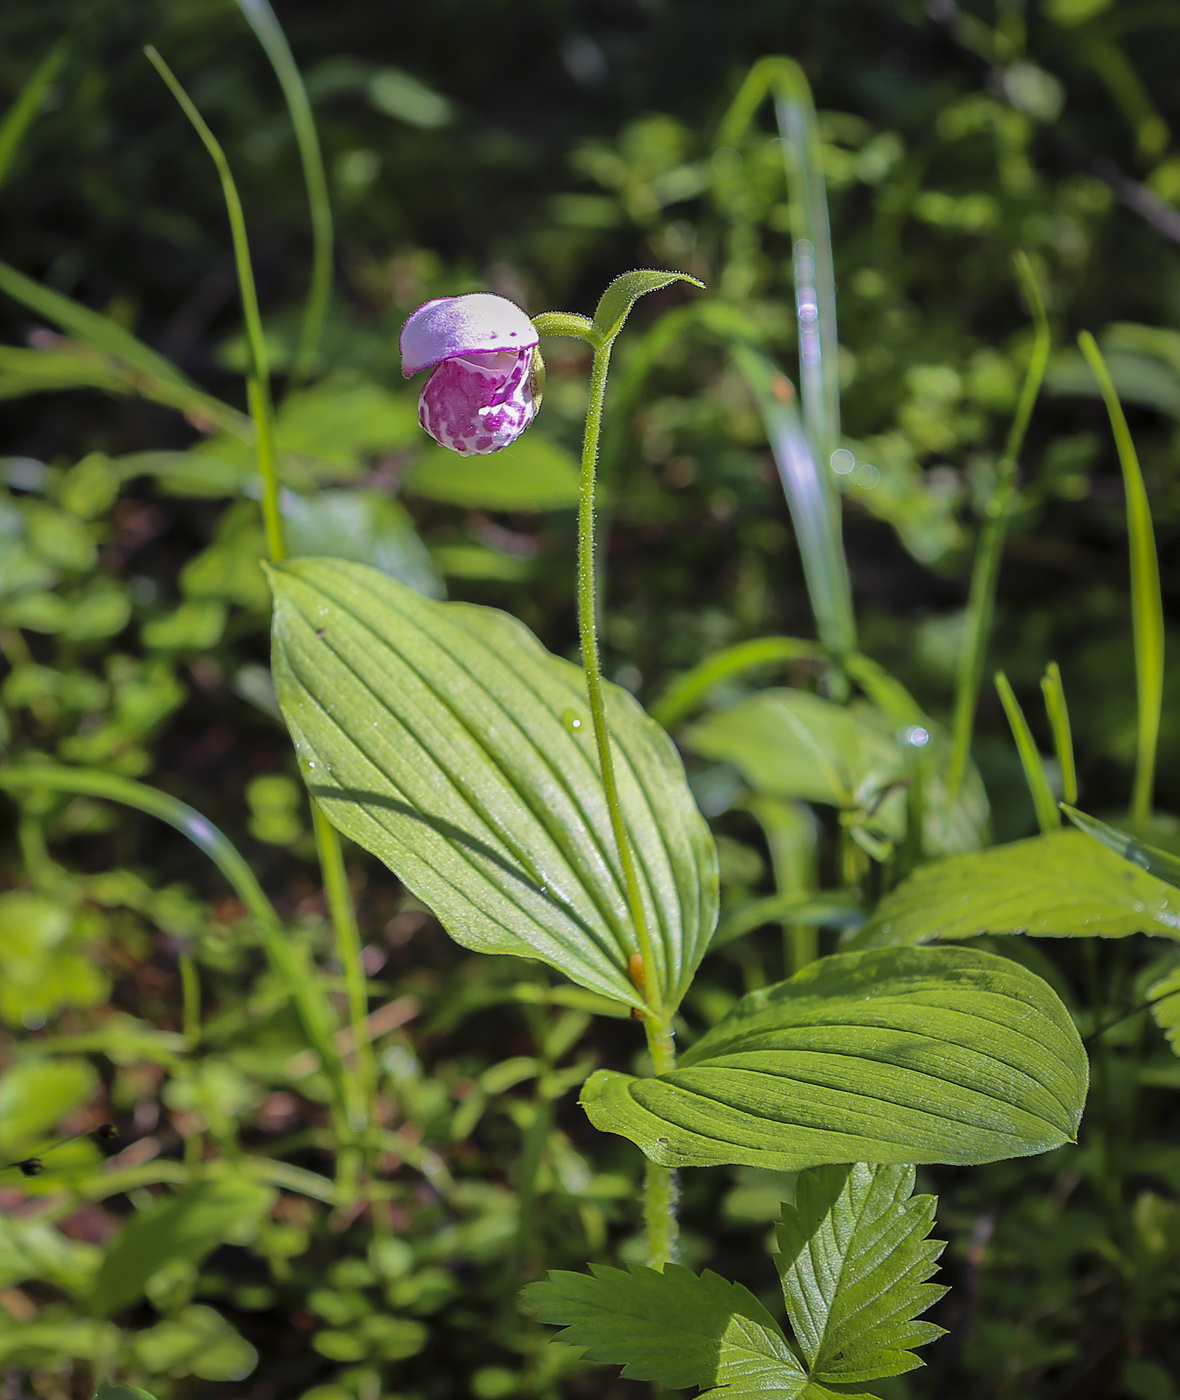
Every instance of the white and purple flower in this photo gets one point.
(483, 392)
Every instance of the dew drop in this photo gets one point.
(572, 720)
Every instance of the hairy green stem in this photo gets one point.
(661, 1193)
(588, 631)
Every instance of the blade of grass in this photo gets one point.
(815, 281)
(817, 524)
(258, 376)
(358, 1101)
(687, 691)
(981, 600)
(1048, 818)
(261, 18)
(1058, 712)
(25, 110)
(1147, 609)
(313, 1008)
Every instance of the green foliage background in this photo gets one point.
(535, 150)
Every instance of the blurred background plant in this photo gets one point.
(535, 151)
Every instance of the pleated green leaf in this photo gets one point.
(855, 1260)
(443, 738)
(1059, 885)
(892, 1055)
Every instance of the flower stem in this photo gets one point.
(588, 632)
(660, 1192)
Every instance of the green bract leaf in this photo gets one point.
(794, 744)
(443, 738)
(616, 302)
(896, 1055)
(184, 1227)
(1060, 885)
(668, 1327)
(854, 1262)
(532, 474)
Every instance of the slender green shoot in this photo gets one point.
(689, 690)
(343, 916)
(813, 268)
(357, 1089)
(261, 18)
(810, 499)
(258, 376)
(1045, 804)
(45, 777)
(588, 630)
(1147, 609)
(24, 111)
(981, 601)
(1055, 707)
(791, 838)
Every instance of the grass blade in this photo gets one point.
(981, 601)
(687, 691)
(24, 111)
(261, 18)
(811, 500)
(815, 278)
(1054, 693)
(1147, 609)
(258, 379)
(1030, 759)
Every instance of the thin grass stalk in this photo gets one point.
(262, 411)
(24, 111)
(1058, 712)
(817, 527)
(261, 18)
(1147, 609)
(981, 600)
(1044, 803)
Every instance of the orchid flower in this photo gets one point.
(484, 389)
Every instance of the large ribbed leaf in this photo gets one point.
(892, 1055)
(444, 738)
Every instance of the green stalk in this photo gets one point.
(1045, 804)
(588, 633)
(660, 1192)
(359, 1088)
(348, 945)
(258, 376)
(261, 18)
(23, 112)
(1055, 706)
(1147, 610)
(981, 601)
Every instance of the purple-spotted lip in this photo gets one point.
(476, 324)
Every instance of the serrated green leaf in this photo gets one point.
(668, 1327)
(1164, 996)
(854, 1259)
(895, 1055)
(1059, 885)
(183, 1227)
(443, 738)
(616, 302)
